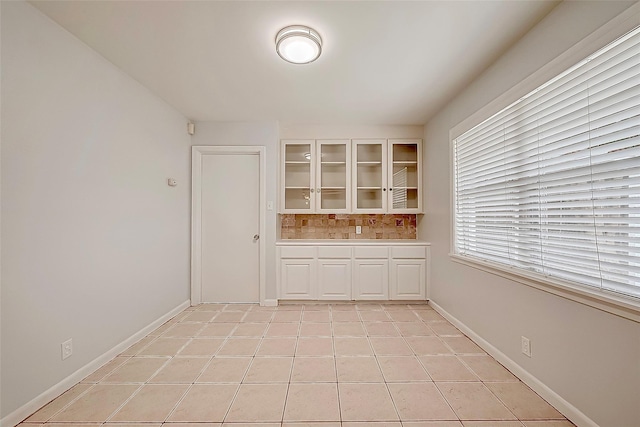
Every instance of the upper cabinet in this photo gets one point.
(344, 176)
(315, 176)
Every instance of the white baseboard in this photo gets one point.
(269, 303)
(15, 417)
(567, 409)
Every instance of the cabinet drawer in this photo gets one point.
(371, 252)
(334, 252)
(419, 252)
(297, 252)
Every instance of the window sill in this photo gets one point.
(626, 307)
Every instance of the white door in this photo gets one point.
(230, 227)
(408, 279)
(371, 279)
(334, 279)
(298, 279)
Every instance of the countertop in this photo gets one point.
(351, 242)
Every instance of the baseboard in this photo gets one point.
(269, 303)
(15, 417)
(567, 409)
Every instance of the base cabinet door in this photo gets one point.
(298, 279)
(371, 279)
(408, 279)
(334, 279)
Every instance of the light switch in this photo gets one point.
(269, 206)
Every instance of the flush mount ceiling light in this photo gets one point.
(298, 44)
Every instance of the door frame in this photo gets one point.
(197, 153)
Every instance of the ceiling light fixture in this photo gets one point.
(298, 44)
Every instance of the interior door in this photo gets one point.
(230, 224)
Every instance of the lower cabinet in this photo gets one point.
(352, 272)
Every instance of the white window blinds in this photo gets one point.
(551, 184)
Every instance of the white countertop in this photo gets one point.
(351, 242)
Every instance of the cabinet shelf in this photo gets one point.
(333, 188)
(333, 163)
(296, 162)
(369, 188)
(405, 188)
(289, 187)
(405, 162)
(369, 163)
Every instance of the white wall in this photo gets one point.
(95, 245)
(262, 134)
(588, 357)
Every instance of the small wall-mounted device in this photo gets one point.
(172, 182)
(191, 128)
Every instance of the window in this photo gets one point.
(550, 185)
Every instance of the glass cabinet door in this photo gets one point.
(404, 176)
(332, 183)
(297, 176)
(369, 175)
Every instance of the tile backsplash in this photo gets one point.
(343, 226)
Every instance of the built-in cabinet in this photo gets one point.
(351, 176)
(352, 271)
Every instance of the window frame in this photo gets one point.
(611, 302)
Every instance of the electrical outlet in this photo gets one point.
(358, 229)
(67, 348)
(526, 346)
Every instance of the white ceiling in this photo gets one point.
(383, 62)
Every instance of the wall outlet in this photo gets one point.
(526, 346)
(358, 229)
(67, 348)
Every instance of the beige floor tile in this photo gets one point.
(405, 369)
(290, 307)
(287, 316)
(180, 370)
(210, 307)
(523, 402)
(395, 307)
(228, 317)
(136, 370)
(202, 347)
(96, 404)
(548, 423)
(315, 329)
(277, 347)
(492, 424)
(427, 345)
(46, 412)
(358, 369)
(343, 307)
(413, 329)
(138, 347)
(444, 329)
(239, 307)
(430, 316)
(352, 347)
(314, 347)
(152, 403)
(368, 306)
(204, 403)
(250, 330)
(239, 347)
(381, 329)
(312, 402)
(105, 370)
(257, 308)
(366, 402)
(162, 328)
(200, 316)
(403, 316)
(348, 329)
(374, 316)
(462, 345)
(447, 368)
(317, 307)
(316, 316)
(258, 402)
(313, 369)
(222, 330)
(311, 424)
(487, 369)
(76, 424)
(172, 424)
(432, 424)
(164, 347)
(282, 330)
(372, 424)
(116, 424)
(269, 369)
(388, 346)
(420, 401)
(258, 316)
(473, 401)
(246, 425)
(344, 316)
(225, 370)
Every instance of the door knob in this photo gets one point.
(256, 237)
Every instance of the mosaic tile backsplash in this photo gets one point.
(343, 226)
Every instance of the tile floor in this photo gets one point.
(342, 365)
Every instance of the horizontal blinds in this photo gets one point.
(551, 184)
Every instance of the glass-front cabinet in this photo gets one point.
(351, 176)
